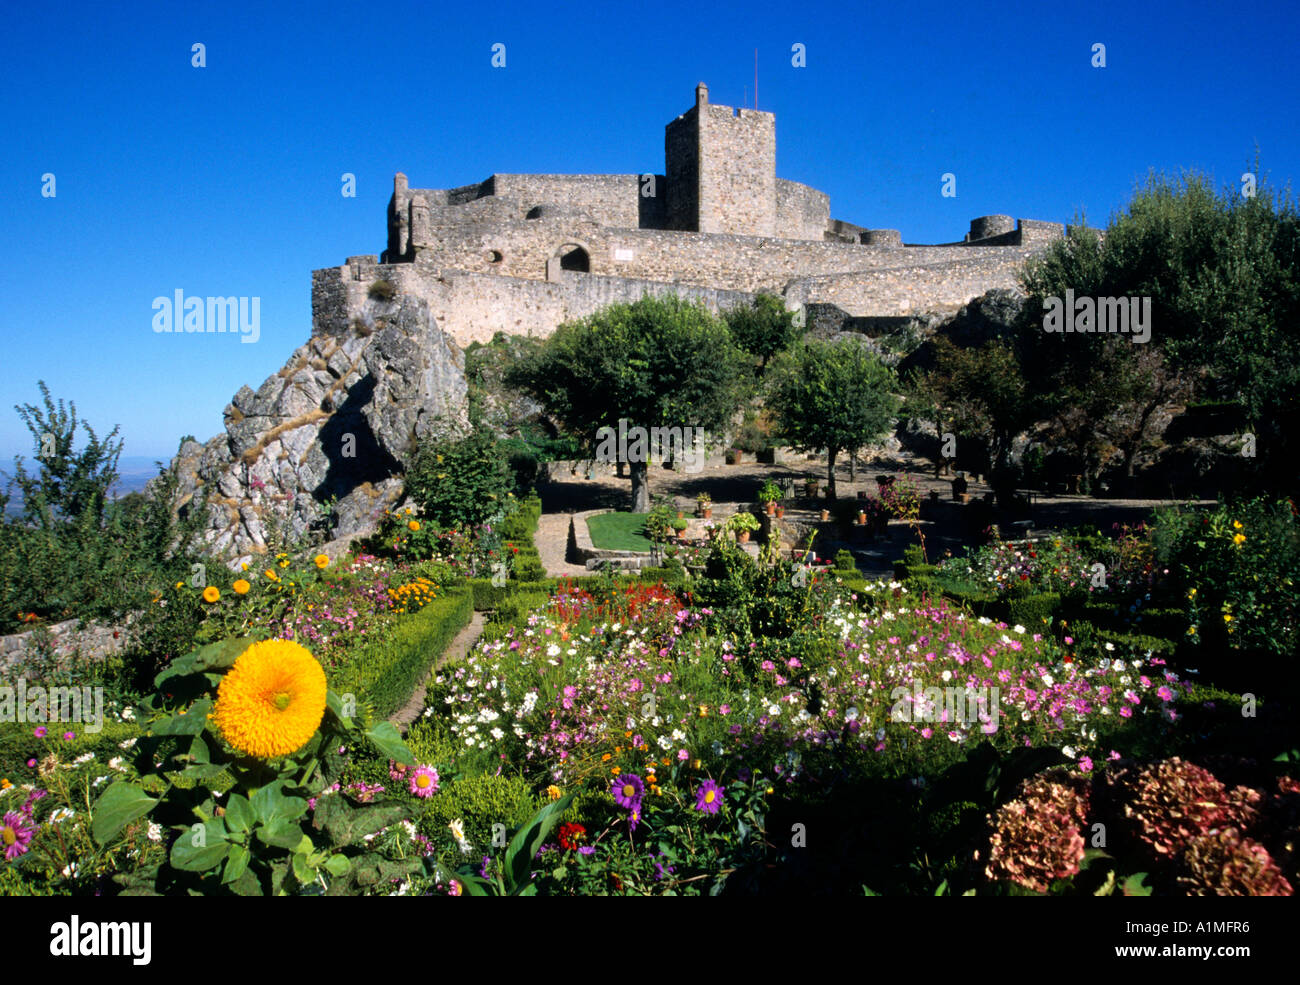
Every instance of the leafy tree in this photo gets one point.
(67, 485)
(1223, 273)
(74, 551)
(763, 328)
(833, 395)
(658, 363)
(981, 392)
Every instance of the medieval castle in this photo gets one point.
(521, 253)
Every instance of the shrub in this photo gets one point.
(459, 479)
(1030, 612)
(479, 802)
(514, 608)
(382, 290)
(844, 561)
(386, 668)
(528, 567)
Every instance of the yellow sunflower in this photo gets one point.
(322, 560)
(241, 586)
(272, 700)
(211, 594)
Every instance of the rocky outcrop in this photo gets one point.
(335, 424)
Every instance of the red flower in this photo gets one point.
(571, 836)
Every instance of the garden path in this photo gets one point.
(460, 646)
(552, 543)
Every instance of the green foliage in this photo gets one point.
(382, 290)
(479, 802)
(383, 670)
(832, 395)
(1235, 576)
(660, 362)
(257, 841)
(74, 551)
(18, 744)
(844, 561)
(459, 479)
(1222, 274)
(763, 328)
(1032, 610)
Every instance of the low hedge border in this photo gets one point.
(387, 670)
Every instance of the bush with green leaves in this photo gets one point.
(73, 550)
(1235, 571)
(459, 479)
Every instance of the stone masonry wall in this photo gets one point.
(472, 307)
(801, 212)
(737, 171)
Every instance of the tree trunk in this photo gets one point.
(640, 487)
(830, 473)
(853, 465)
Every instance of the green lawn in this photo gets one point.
(619, 531)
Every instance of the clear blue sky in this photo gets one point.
(225, 180)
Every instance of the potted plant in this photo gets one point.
(768, 495)
(780, 511)
(810, 487)
(680, 525)
(959, 487)
(704, 505)
(862, 517)
(659, 523)
(826, 515)
(742, 524)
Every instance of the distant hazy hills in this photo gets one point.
(134, 470)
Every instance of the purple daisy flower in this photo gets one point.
(15, 835)
(628, 791)
(708, 798)
(39, 731)
(424, 781)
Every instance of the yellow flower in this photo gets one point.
(1238, 539)
(704, 711)
(412, 525)
(5, 784)
(605, 758)
(244, 566)
(1236, 524)
(615, 770)
(211, 594)
(272, 575)
(241, 586)
(180, 585)
(322, 560)
(1192, 594)
(1191, 630)
(1227, 617)
(272, 700)
(553, 792)
(284, 564)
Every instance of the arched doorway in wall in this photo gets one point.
(574, 256)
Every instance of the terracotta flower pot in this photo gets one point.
(708, 512)
(826, 515)
(742, 536)
(771, 508)
(780, 512)
(681, 514)
(862, 517)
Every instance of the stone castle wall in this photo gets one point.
(737, 171)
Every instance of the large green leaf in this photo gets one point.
(236, 864)
(117, 807)
(389, 742)
(346, 824)
(190, 723)
(213, 846)
(281, 833)
(528, 840)
(269, 802)
(239, 813)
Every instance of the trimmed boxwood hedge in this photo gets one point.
(384, 671)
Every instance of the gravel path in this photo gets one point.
(552, 543)
(460, 646)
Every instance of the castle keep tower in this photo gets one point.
(721, 169)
